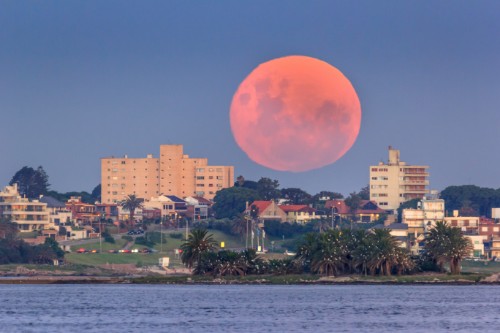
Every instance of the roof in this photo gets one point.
(297, 208)
(365, 207)
(393, 226)
(261, 205)
(52, 202)
(173, 198)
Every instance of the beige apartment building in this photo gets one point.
(30, 215)
(428, 213)
(173, 173)
(395, 182)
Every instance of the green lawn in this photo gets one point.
(490, 267)
(119, 244)
(112, 258)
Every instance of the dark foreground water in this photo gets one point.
(180, 308)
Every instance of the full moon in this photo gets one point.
(295, 113)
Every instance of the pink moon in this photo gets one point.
(295, 113)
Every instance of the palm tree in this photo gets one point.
(446, 244)
(198, 243)
(383, 254)
(239, 226)
(131, 203)
(331, 257)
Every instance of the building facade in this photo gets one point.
(173, 173)
(30, 215)
(429, 212)
(395, 182)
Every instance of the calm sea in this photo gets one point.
(181, 308)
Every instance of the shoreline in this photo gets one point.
(472, 279)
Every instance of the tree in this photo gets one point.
(242, 182)
(230, 202)
(96, 193)
(31, 183)
(364, 193)
(198, 243)
(8, 229)
(413, 203)
(268, 189)
(131, 203)
(353, 201)
(446, 244)
(296, 196)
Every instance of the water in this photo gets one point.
(186, 308)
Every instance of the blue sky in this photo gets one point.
(80, 80)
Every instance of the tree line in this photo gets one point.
(16, 251)
(333, 252)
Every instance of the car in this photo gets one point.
(81, 250)
(146, 250)
(126, 251)
(112, 251)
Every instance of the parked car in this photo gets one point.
(81, 250)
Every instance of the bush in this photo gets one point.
(127, 238)
(107, 237)
(176, 235)
(144, 241)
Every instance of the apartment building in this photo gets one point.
(425, 216)
(395, 182)
(30, 215)
(173, 173)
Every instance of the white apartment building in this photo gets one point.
(30, 215)
(395, 182)
(425, 216)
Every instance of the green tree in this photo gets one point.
(31, 183)
(353, 201)
(413, 203)
(446, 244)
(296, 196)
(198, 243)
(96, 193)
(364, 193)
(268, 189)
(231, 202)
(8, 229)
(131, 203)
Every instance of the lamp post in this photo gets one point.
(161, 235)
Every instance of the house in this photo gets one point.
(468, 224)
(478, 245)
(495, 247)
(82, 213)
(298, 213)
(59, 215)
(198, 208)
(399, 231)
(169, 205)
(266, 211)
(368, 211)
(107, 211)
(488, 228)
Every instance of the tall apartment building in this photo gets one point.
(173, 173)
(395, 182)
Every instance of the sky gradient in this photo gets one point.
(81, 80)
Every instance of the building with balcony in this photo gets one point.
(395, 182)
(173, 173)
(30, 215)
(59, 215)
(425, 216)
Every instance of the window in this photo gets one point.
(374, 169)
(495, 229)
(200, 177)
(123, 162)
